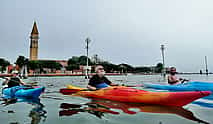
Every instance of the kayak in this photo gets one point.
(131, 95)
(22, 91)
(189, 86)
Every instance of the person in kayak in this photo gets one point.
(173, 79)
(13, 81)
(99, 81)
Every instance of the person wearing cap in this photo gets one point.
(14, 80)
(99, 81)
(173, 79)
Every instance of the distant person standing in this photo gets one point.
(173, 79)
(99, 81)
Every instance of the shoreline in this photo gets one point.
(58, 75)
(108, 74)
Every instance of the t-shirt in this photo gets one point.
(14, 81)
(96, 80)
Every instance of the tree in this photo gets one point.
(21, 61)
(50, 64)
(159, 68)
(40, 64)
(142, 69)
(72, 67)
(83, 60)
(126, 67)
(109, 67)
(34, 64)
(73, 60)
(3, 63)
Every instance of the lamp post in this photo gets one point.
(87, 52)
(162, 50)
(206, 65)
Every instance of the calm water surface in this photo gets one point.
(55, 108)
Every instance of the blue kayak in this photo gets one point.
(189, 86)
(22, 91)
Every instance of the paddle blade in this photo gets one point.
(66, 91)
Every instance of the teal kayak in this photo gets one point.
(22, 91)
(189, 86)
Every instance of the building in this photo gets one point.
(34, 43)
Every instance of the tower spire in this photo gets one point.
(35, 29)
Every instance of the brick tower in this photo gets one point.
(34, 43)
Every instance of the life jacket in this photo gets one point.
(14, 81)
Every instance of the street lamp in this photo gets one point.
(162, 50)
(206, 65)
(87, 50)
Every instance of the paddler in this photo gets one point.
(99, 80)
(173, 79)
(13, 81)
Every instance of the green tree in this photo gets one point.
(142, 69)
(126, 67)
(40, 64)
(72, 67)
(159, 68)
(21, 61)
(50, 64)
(83, 60)
(34, 64)
(3, 64)
(73, 60)
(109, 67)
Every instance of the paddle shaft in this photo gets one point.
(15, 81)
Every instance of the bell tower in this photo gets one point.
(34, 43)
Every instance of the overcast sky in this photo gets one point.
(122, 31)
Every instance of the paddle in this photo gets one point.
(66, 91)
(139, 85)
(183, 80)
(27, 85)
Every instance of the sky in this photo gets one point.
(121, 31)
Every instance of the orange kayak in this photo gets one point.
(131, 95)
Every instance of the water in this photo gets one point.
(55, 108)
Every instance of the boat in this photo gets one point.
(131, 95)
(22, 91)
(188, 86)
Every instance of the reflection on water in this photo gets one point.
(99, 107)
(204, 103)
(36, 113)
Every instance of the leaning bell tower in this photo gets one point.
(34, 43)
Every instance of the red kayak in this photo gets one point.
(131, 95)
